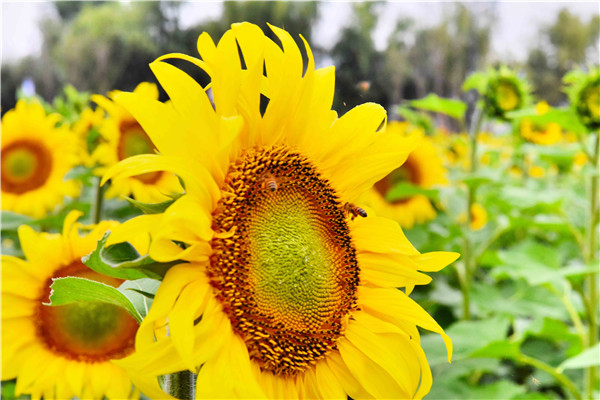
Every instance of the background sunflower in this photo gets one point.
(36, 155)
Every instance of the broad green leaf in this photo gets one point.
(516, 299)
(122, 261)
(405, 190)
(151, 208)
(141, 293)
(469, 336)
(459, 389)
(432, 102)
(484, 175)
(587, 358)
(416, 118)
(73, 290)
(84, 174)
(526, 198)
(477, 81)
(10, 221)
(499, 349)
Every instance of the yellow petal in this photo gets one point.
(435, 261)
(393, 306)
(380, 235)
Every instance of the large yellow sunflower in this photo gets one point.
(63, 351)
(124, 137)
(289, 292)
(423, 168)
(35, 156)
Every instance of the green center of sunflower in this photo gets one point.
(592, 100)
(287, 277)
(508, 96)
(133, 141)
(87, 331)
(26, 165)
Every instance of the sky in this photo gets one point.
(517, 23)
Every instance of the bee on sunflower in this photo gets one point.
(584, 95)
(122, 137)
(36, 154)
(290, 290)
(63, 351)
(423, 168)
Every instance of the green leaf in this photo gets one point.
(416, 118)
(152, 208)
(74, 289)
(10, 221)
(82, 173)
(141, 293)
(469, 336)
(502, 349)
(477, 81)
(122, 261)
(453, 108)
(587, 358)
(525, 198)
(405, 190)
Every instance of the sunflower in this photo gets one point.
(423, 168)
(503, 92)
(289, 290)
(479, 217)
(124, 137)
(86, 123)
(547, 134)
(74, 343)
(35, 156)
(584, 94)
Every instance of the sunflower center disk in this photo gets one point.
(287, 278)
(26, 166)
(88, 331)
(409, 172)
(134, 141)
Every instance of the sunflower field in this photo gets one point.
(224, 231)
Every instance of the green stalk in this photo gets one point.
(98, 200)
(180, 385)
(561, 378)
(468, 254)
(592, 278)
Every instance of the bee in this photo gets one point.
(354, 211)
(269, 181)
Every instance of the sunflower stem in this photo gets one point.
(561, 378)
(180, 385)
(469, 255)
(592, 278)
(98, 202)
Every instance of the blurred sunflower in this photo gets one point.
(88, 121)
(288, 292)
(479, 217)
(124, 137)
(423, 168)
(63, 351)
(36, 155)
(502, 91)
(584, 94)
(546, 134)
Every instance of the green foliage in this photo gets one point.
(71, 290)
(453, 108)
(122, 261)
